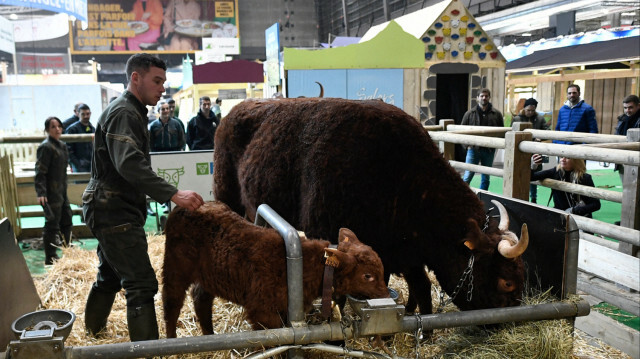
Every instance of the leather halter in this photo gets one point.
(327, 287)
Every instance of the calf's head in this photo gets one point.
(358, 269)
(498, 269)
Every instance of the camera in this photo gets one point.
(545, 159)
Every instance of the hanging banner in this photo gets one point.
(75, 8)
(7, 44)
(155, 26)
(272, 41)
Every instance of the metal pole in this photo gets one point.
(294, 267)
(328, 331)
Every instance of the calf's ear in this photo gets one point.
(346, 235)
(338, 259)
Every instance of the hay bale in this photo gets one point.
(67, 283)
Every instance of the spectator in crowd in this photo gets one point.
(571, 171)
(216, 109)
(576, 115)
(529, 114)
(165, 133)
(483, 114)
(80, 152)
(202, 127)
(172, 113)
(51, 189)
(629, 119)
(73, 119)
(114, 202)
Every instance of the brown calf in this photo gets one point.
(228, 257)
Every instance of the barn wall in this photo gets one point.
(605, 96)
(493, 78)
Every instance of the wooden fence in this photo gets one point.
(608, 271)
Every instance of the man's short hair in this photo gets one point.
(204, 98)
(141, 63)
(632, 98)
(218, 100)
(84, 106)
(77, 106)
(485, 90)
(574, 85)
(170, 101)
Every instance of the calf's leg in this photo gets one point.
(202, 303)
(419, 290)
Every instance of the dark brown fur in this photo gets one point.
(366, 165)
(228, 257)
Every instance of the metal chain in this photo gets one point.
(345, 323)
(468, 273)
(418, 334)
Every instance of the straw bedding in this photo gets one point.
(67, 283)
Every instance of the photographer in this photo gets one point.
(572, 171)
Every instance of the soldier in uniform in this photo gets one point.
(114, 203)
(51, 188)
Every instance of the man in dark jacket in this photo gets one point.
(165, 133)
(114, 203)
(482, 115)
(74, 118)
(629, 119)
(80, 152)
(202, 127)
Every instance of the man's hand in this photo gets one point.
(187, 199)
(42, 201)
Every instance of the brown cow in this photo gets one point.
(367, 165)
(228, 257)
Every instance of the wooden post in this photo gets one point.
(447, 149)
(517, 166)
(521, 126)
(630, 214)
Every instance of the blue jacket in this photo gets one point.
(579, 118)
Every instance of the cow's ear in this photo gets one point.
(338, 259)
(472, 238)
(346, 235)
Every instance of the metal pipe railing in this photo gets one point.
(328, 331)
(293, 248)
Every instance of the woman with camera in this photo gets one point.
(573, 171)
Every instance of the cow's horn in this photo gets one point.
(321, 89)
(504, 216)
(508, 249)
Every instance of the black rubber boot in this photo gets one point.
(142, 322)
(97, 311)
(48, 241)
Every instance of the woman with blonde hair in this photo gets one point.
(570, 170)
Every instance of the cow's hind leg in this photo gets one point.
(203, 302)
(419, 290)
(173, 292)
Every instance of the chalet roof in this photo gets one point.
(618, 50)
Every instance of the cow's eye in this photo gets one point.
(505, 286)
(367, 277)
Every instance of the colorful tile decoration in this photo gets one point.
(446, 31)
(469, 39)
(488, 47)
(440, 55)
(455, 23)
(428, 55)
(476, 47)
(477, 32)
(455, 12)
(426, 39)
(494, 55)
(463, 31)
(438, 25)
(462, 46)
(482, 55)
(446, 46)
(471, 25)
(483, 40)
(445, 18)
(439, 39)
(455, 36)
(431, 48)
(464, 18)
(431, 32)
(454, 53)
(468, 54)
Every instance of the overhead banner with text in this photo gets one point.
(155, 26)
(76, 8)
